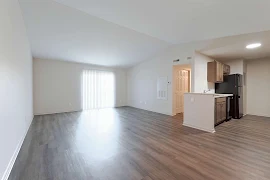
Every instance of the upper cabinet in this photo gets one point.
(216, 70)
(226, 69)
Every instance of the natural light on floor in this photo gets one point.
(98, 89)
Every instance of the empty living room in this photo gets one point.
(134, 90)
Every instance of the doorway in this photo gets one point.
(181, 85)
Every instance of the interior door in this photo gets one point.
(181, 87)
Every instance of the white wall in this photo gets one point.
(16, 110)
(200, 73)
(237, 66)
(57, 86)
(196, 106)
(258, 87)
(142, 78)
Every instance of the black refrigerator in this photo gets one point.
(232, 84)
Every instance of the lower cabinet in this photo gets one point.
(220, 109)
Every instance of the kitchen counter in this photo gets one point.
(199, 110)
(213, 94)
(222, 95)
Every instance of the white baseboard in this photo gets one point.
(65, 111)
(260, 115)
(200, 128)
(56, 112)
(14, 156)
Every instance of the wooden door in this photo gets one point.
(220, 109)
(218, 112)
(181, 87)
(223, 110)
(226, 69)
(215, 72)
(219, 72)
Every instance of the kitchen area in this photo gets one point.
(206, 110)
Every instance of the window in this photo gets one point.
(98, 89)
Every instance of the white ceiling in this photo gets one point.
(178, 21)
(59, 32)
(126, 32)
(234, 47)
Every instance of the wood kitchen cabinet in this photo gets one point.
(226, 69)
(220, 110)
(215, 72)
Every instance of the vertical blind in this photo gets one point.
(98, 89)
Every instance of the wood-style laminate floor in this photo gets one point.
(132, 144)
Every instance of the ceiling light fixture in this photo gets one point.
(252, 46)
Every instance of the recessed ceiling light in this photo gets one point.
(252, 46)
